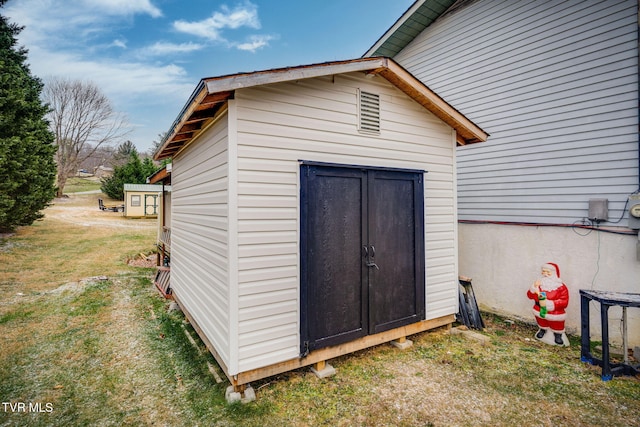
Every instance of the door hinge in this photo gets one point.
(305, 350)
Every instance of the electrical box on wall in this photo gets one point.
(634, 211)
(599, 210)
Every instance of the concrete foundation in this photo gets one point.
(232, 396)
(326, 371)
(402, 344)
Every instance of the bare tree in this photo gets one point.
(82, 119)
(101, 156)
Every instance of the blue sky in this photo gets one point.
(147, 56)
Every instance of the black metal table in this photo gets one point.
(606, 299)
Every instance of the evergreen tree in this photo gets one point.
(135, 171)
(27, 167)
(123, 153)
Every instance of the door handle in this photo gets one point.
(372, 264)
(370, 259)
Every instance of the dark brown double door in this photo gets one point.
(362, 252)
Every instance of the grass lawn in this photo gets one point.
(86, 340)
(79, 184)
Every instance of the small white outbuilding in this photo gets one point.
(313, 212)
(142, 200)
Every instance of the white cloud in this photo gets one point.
(59, 25)
(141, 90)
(97, 40)
(124, 7)
(121, 43)
(255, 42)
(53, 36)
(167, 48)
(119, 80)
(245, 15)
(37, 23)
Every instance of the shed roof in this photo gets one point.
(212, 93)
(148, 188)
(418, 17)
(161, 175)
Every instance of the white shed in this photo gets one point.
(142, 200)
(313, 212)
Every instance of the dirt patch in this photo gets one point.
(146, 261)
(452, 394)
(88, 217)
(77, 286)
(7, 245)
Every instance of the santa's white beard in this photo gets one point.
(550, 283)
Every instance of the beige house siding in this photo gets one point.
(200, 234)
(316, 119)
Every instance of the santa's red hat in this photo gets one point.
(553, 267)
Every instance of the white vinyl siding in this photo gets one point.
(556, 86)
(317, 120)
(199, 240)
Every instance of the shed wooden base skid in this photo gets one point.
(324, 354)
(317, 357)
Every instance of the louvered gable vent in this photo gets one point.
(369, 111)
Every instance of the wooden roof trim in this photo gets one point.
(182, 140)
(161, 175)
(190, 126)
(201, 109)
(166, 149)
(178, 137)
(212, 94)
(202, 115)
(238, 81)
(467, 131)
(216, 98)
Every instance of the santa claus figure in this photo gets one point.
(551, 297)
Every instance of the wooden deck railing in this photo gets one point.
(165, 237)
